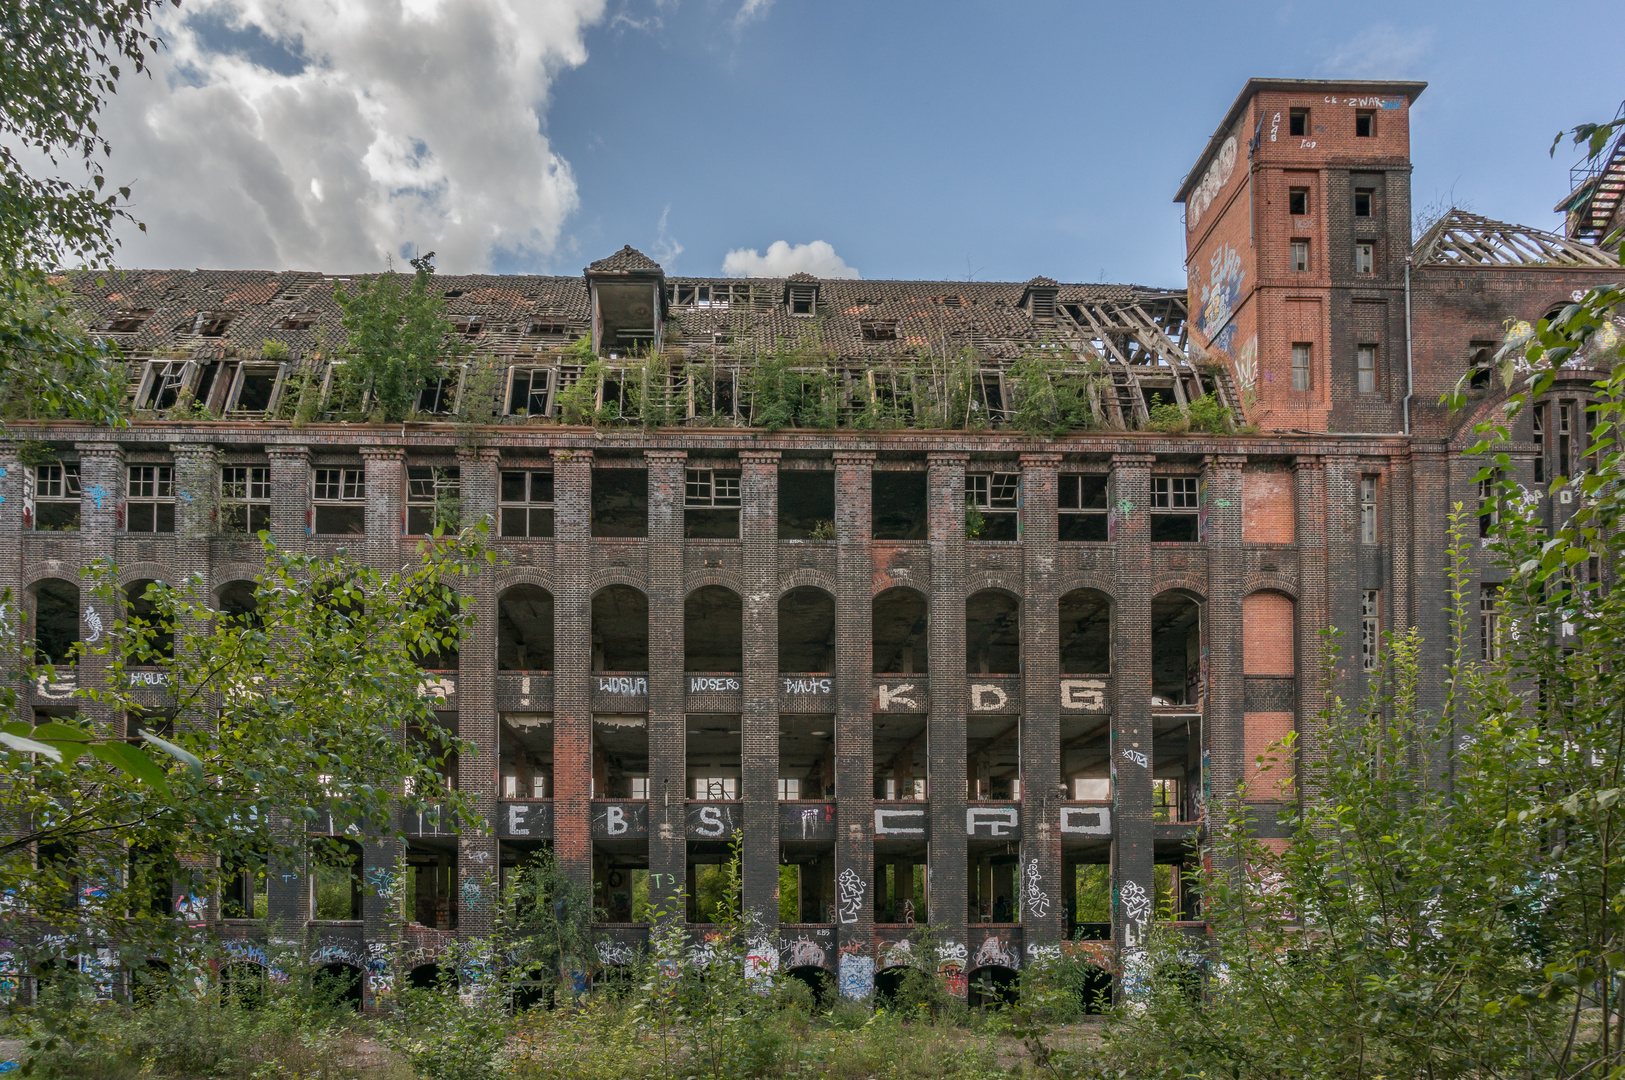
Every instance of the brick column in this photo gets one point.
(759, 532)
(1223, 739)
(1341, 528)
(287, 888)
(854, 723)
(1133, 888)
(668, 726)
(1309, 502)
(197, 490)
(945, 743)
(572, 662)
(101, 519)
(1043, 914)
(14, 627)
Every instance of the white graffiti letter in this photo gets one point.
(616, 818)
(516, 820)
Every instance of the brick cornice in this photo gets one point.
(278, 450)
(1040, 459)
(854, 457)
(759, 457)
(383, 452)
(565, 454)
(948, 457)
(1123, 460)
(665, 455)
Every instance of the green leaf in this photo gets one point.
(29, 746)
(133, 761)
(190, 759)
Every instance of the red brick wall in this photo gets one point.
(1266, 634)
(1267, 513)
(1263, 731)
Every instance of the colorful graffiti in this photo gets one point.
(1220, 297)
(1213, 181)
(857, 976)
(1247, 372)
(994, 953)
(951, 968)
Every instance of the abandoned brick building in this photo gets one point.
(974, 676)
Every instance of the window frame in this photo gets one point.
(1365, 374)
(1304, 350)
(1070, 487)
(531, 507)
(69, 493)
(1172, 501)
(1370, 520)
(1365, 257)
(1370, 629)
(1369, 195)
(160, 376)
(351, 487)
(1298, 123)
(1489, 621)
(442, 479)
(439, 380)
(528, 372)
(254, 503)
(1294, 194)
(244, 370)
(1366, 118)
(1298, 255)
(704, 489)
(152, 492)
(1537, 433)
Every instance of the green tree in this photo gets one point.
(397, 338)
(310, 705)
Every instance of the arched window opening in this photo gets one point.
(713, 630)
(992, 633)
(620, 629)
(151, 635)
(56, 621)
(525, 629)
(239, 602)
(900, 623)
(1086, 633)
(806, 630)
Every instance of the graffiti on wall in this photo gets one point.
(951, 967)
(802, 952)
(995, 953)
(850, 889)
(1213, 181)
(1247, 372)
(857, 976)
(1220, 297)
(1037, 898)
(1136, 913)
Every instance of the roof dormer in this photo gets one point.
(628, 303)
(801, 295)
(1039, 298)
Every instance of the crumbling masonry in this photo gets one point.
(929, 663)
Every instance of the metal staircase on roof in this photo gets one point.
(1596, 187)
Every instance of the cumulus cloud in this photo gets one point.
(782, 260)
(1381, 51)
(334, 134)
(751, 10)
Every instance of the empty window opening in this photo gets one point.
(711, 895)
(992, 633)
(1370, 629)
(438, 394)
(299, 320)
(468, 325)
(900, 756)
(710, 504)
(1489, 622)
(620, 874)
(56, 498)
(245, 890)
(530, 391)
(1176, 650)
(1365, 368)
(1488, 504)
(1365, 124)
(989, 397)
(255, 388)
(1087, 889)
(620, 757)
(804, 300)
(442, 656)
(1086, 633)
(525, 756)
(56, 621)
(806, 505)
(433, 499)
(900, 889)
(430, 887)
(620, 629)
(712, 400)
(1082, 507)
(1362, 202)
(806, 895)
(714, 757)
(1565, 439)
(1365, 258)
(993, 757)
(899, 505)
(1175, 508)
(1302, 378)
(620, 502)
(149, 633)
(878, 329)
(1297, 122)
(807, 756)
(1368, 509)
(990, 892)
(713, 630)
(239, 603)
(806, 630)
(335, 880)
(212, 323)
(245, 499)
(1537, 424)
(992, 506)
(150, 499)
(1086, 758)
(1168, 800)
(525, 629)
(340, 502)
(127, 321)
(901, 644)
(1300, 254)
(527, 504)
(1297, 201)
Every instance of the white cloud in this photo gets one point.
(782, 260)
(347, 131)
(666, 247)
(1381, 51)
(751, 10)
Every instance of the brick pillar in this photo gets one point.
(101, 520)
(1133, 887)
(197, 490)
(945, 742)
(854, 723)
(1043, 915)
(1309, 502)
(668, 726)
(1341, 528)
(14, 628)
(287, 888)
(759, 533)
(1223, 742)
(572, 662)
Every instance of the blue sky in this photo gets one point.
(939, 140)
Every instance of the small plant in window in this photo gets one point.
(975, 522)
(824, 530)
